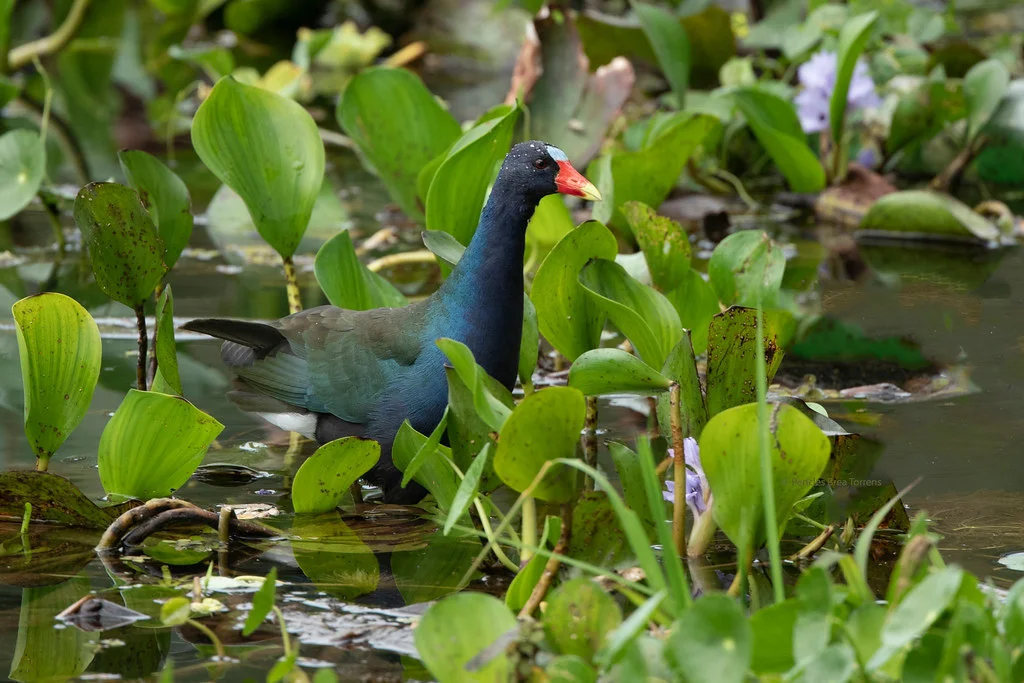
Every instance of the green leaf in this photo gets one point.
(570, 669)
(59, 347)
(772, 627)
(922, 214)
(22, 165)
(468, 489)
(444, 246)
(167, 380)
(41, 652)
(836, 663)
(551, 222)
(746, 269)
(631, 477)
(153, 444)
(578, 617)
(664, 242)
(627, 632)
(640, 313)
(813, 628)
(681, 367)
(853, 36)
(595, 539)
(435, 569)
(696, 303)
(164, 195)
(732, 355)
(54, 499)
(399, 128)
(176, 611)
(467, 431)
(568, 318)
(456, 630)
(546, 425)
(266, 148)
(730, 454)
(490, 409)
(434, 474)
(613, 371)
(326, 475)
(711, 642)
(127, 254)
(529, 343)
(522, 585)
(262, 603)
(347, 282)
(984, 87)
(668, 38)
(457, 191)
(648, 174)
(284, 666)
(426, 451)
(777, 128)
(333, 556)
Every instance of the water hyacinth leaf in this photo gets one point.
(664, 242)
(465, 628)
(262, 603)
(400, 139)
(613, 371)
(457, 191)
(681, 367)
(853, 36)
(732, 354)
(640, 313)
(648, 174)
(468, 434)
(333, 557)
(670, 43)
(488, 406)
(267, 149)
(350, 284)
(550, 223)
(164, 195)
(570, 669)
(468, 489)
(127, 253)
(696, 303)
(631, 477)
(837, 662)
(167, 379)
(922, 214)
(54, 499)
(175, 611)
(326, 476)
(578, 617)
(153, 444)
(546, 425)
(426, 451)
(568, 318)
(711, 642)
(777, 128)
(596, 538)
(746, 268)
(529, 344)
(434, 475)
(59, 348)
(984, 87)
(22, 165)
(444, 246)
(772, 628)
(522, 585)
(729, 452)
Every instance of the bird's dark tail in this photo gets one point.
(246, 341)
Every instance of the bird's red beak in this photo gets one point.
(570, 181)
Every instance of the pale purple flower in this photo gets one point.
(867, 157)
(818, 78)
(696, 482)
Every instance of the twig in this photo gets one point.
(401, 258)
(23, 54)
(815, 545)
(292, 285)
(678, 470)
(551, 568)
(140, 369)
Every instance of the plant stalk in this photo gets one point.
(23, 54)
(217, 645)
(529, 530)
(590, 437)
(767, 479)
(140, 370)
(551, 568)
(292, 285)
(678, 470)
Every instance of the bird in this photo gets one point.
(328, 372)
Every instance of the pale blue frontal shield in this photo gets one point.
(556, 154)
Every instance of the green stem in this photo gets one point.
(23, 54)
(26, 518)
(551, 568)
(486, 524)
(529, 529)
(217, 645)
(767, 480)
(47, 97)
(678, 470)
(140, 370)
(292, 284)
(285, 638)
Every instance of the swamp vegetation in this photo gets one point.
(768, 392)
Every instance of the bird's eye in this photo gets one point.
(540, 164)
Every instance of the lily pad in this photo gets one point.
(326, 476)
(922, 214)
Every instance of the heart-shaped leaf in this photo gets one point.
(153, 444)
(613, 371)
(350, 284)
(266, 148)
(711, 642)
(696, 303)
(59, 347)
(457, 630)
(326, 476)
(165, 197)
(578, 617)
(22, 164)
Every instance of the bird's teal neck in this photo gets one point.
(481, 302)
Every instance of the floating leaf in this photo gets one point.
(54, 499)
(746, 269)
(22, 164)
(544, 426)
(711, 642)
(153, 444)
(399, 128)
(668, 38)
(640, 313)
(853, 36)
(167, 379)
(922, 214)
(613, 371)
(327, 475)
(164, 195)
(665, 244)
(262, 603)
(59, 347)
(777, 128)
(732, 355)
(457, 630)
(568, 318)
(127, 254)
(347, 282)
(729, 451)
(266, 148)
(578, 617)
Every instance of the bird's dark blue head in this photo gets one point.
(537, 169)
